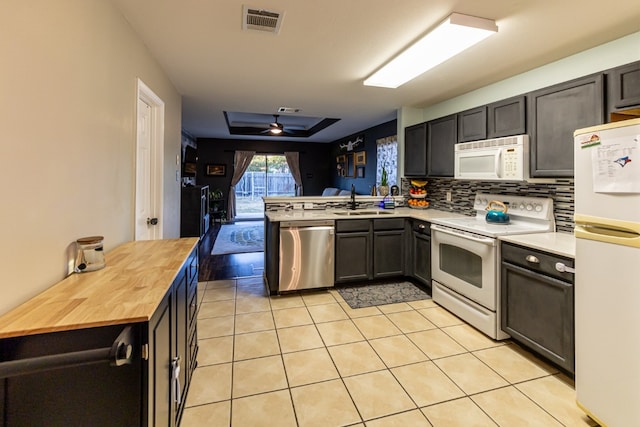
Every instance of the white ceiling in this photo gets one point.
(326, 48)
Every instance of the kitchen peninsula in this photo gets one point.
(371, 242)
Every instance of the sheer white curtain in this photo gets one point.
(240, 164)
(293, 161)
(387, 156)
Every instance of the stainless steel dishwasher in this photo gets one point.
(306, 255)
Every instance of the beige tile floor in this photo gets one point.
(308, 359)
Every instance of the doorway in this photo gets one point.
(268, 175)
(149, 143)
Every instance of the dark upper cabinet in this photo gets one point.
(554, 113)
(472, 124)
(442, 135)
(623, 84)
(415, 150)
(507, 117)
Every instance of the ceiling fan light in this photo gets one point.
(276, 128)
(457, 33)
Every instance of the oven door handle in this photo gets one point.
(484, 240)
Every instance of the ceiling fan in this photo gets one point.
(258, 124)
(275, 128)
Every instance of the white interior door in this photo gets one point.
(149, 143)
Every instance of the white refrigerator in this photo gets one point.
(607, 288)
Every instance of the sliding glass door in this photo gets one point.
(267, 175)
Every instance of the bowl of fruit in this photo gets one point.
(417, 189)
(418, 203)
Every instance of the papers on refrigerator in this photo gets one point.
(615, 162)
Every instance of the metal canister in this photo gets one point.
(90, 254)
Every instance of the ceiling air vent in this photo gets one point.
(289, 110)
(261, 19)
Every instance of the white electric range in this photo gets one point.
(466, 257)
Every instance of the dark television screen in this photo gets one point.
(189, 161)
(190, 154)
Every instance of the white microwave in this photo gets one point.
(498, 159)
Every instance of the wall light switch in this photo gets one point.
(297, 206)
(448, 196)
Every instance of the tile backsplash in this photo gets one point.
(463, 192)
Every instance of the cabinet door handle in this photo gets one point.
(564, 269)
(175, 380)
(422, 226)
(532, 259)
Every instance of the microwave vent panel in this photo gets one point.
(508, 141)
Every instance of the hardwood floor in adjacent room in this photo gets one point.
(229, 266)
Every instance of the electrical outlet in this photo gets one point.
(308, 205)
(448, 196)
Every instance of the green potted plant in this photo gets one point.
(383, 190)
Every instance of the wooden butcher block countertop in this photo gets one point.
(128, 290)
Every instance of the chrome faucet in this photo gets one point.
(353, 197)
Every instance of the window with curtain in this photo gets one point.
(387, 156)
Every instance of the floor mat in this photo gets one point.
(360, 296)
(239, 238)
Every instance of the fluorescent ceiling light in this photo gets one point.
(457, 33)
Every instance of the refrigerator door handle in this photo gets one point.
(617, 232)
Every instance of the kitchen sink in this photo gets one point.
(350, 213)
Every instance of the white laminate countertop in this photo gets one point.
(563, 244)
(335, 214)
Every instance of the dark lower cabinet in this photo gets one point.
(353, 258)
(67, 380)
(159, 382)
(388, 253)
(537, 303)
(554, 113)
(421, 252)
(388, 247)
(369, 249)
(172, 350)
(271, 255)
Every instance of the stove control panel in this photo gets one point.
(526, 207)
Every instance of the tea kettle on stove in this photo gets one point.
(497, 215)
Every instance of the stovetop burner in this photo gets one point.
(527, 215)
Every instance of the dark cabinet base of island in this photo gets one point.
(134, 374)
(71, 379)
